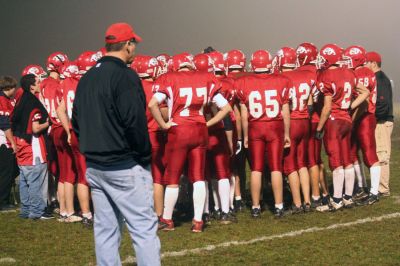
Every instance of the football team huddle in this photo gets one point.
(207, 115)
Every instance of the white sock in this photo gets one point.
(63, 214)
(349, 176)
(338, 180)
(315, 198)
(360, 176)
(199, 197)
(207, 201)
(223, 191)
(214, 185)
(87, 215)
(238, 197)
(279, 206)
(375, 172)
(232, 191)
(170, 199)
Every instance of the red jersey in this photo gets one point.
(366, 77)
(52, 95)
(6, 107)
(229, 93)
(303, 81)
(187, 93)
(68, 88)
(264, 95)
(311, 68)
(148, 91)
(338, 83)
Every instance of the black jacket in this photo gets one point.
(109, 116)
(384, 99)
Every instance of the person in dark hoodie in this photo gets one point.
(8, 164)
(29, 122)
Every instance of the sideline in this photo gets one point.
(185, 252)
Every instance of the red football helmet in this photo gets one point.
(306, 53)
(36, 70)
(285, 57)
(145, 66)
(87, 60)
(330, 54)
(261, 61)
(354, 56)
(182, 60)
(203, 63)
(163, 63)
(102, 52)
(217, 59)
(235, 59)
(55, 61)
(69, 70)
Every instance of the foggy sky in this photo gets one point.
(31, 30)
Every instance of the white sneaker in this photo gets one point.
(323, 208)
(336, 206)
(348, 203)
(73, 219)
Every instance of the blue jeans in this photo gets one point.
(123, 194)
(32, 179)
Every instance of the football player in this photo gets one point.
(70, 73)
(85, 61)
(219, 150)
(306, 56)
(147, 67)
(51, 96)
(295, 158)
(186, 93)
(364, 123)
(337, 85)
(265, 119)
(235, 62)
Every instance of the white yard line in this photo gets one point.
(185, 252)
(7, 260)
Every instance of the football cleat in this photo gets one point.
(348, 203)
(360, 194)
(88, 223)
(228, 218)
(166, 224)
(197, 226)
(216, 214)
(371, 199)
(296, 210)
(239, 205)
(256, 212)
(206, 218)
(315, 203)
(336, 205)
(281, 212)
(307, 207)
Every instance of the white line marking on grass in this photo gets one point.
(7, 211)
(185, 252)
(7, 260)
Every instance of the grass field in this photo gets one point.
(352, 237)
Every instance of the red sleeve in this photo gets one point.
(240, 91)
(323, 86)
(287, 88)
(214, 86)
(162, 84)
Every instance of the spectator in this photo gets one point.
(29, 122)
(8, 164)
(384, 117)
(109, 120)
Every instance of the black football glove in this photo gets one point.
(319, 134)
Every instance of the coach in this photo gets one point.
(384, 118)
(109, 119)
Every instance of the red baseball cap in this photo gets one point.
(120, 32)
(373, 57)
